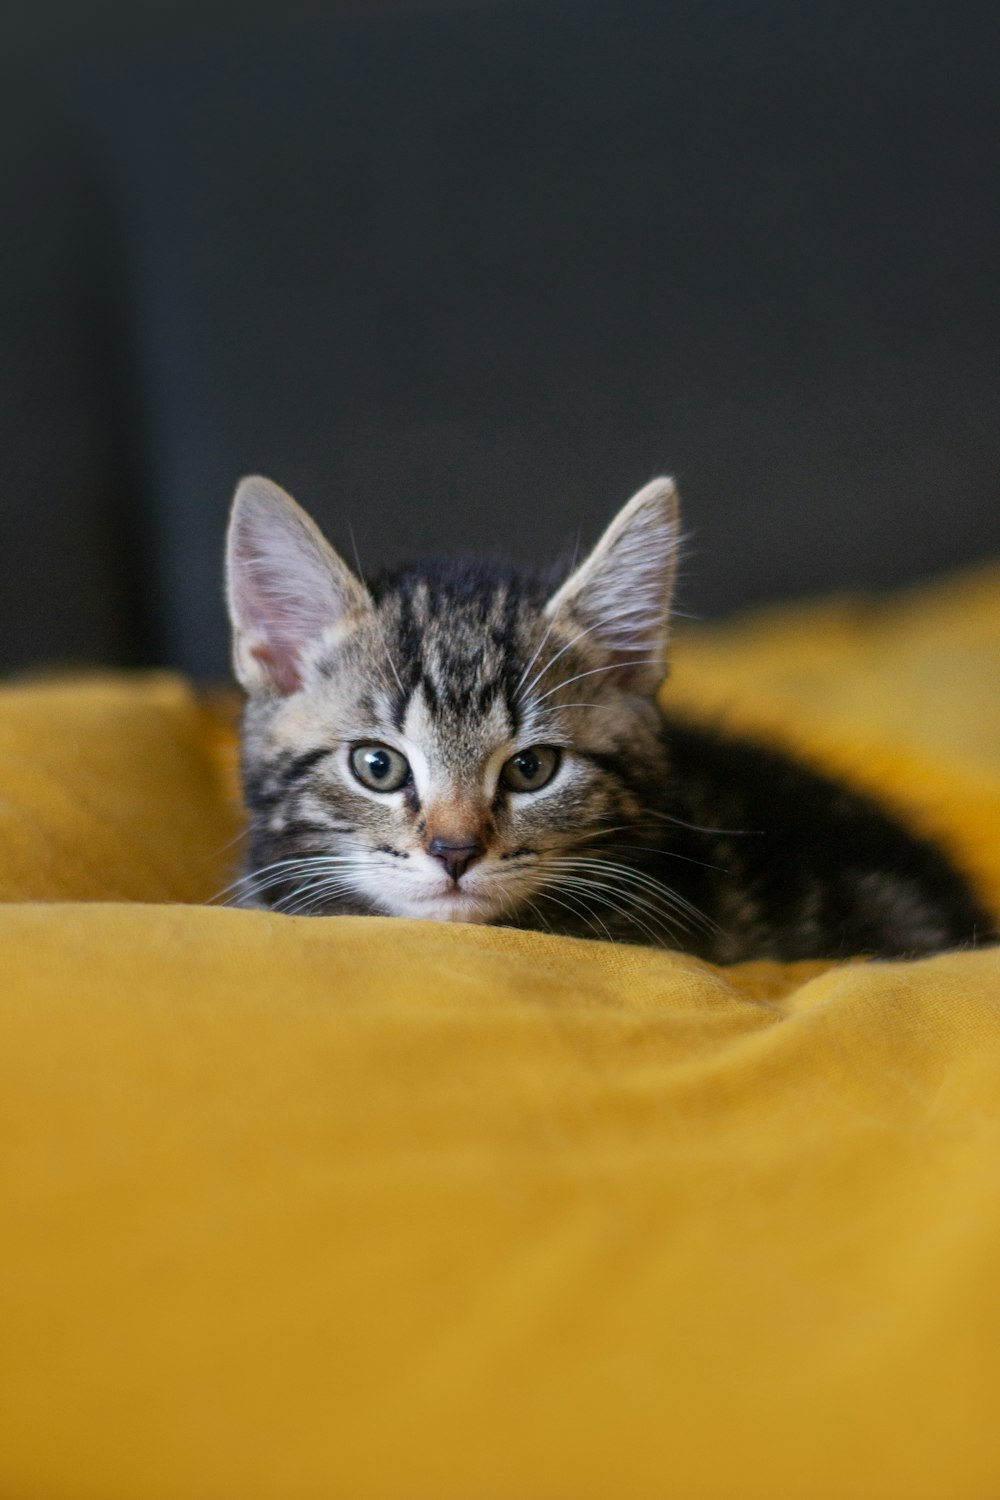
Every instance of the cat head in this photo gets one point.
(450, 742)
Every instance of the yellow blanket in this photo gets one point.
(392, 1211)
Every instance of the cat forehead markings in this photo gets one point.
(462, 663)
(456, 746)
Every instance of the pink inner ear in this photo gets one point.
(281, 667)
(284, 597)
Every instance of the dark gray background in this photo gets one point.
(465, 275)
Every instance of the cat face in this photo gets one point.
(449, 743)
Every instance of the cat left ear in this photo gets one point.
(286, 587)
(620, 595)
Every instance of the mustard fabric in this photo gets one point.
(109, 792)
(396, 1211)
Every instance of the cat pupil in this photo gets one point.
(529, 770)
(379, 769)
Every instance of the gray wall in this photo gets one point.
(463, 276)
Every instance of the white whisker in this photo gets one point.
(381, 626)
(532, 907)
(613, 666)
(576, 912)
(664, 854)
(599, 892)
(285, 869)
(640, 879)
(309, 895)
(553, 659)
(538, 649)
(698, 827)
(639, 897)
(559, 706)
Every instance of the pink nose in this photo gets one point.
(456, 858)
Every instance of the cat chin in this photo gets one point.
(457, 907)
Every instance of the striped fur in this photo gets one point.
(649, 831)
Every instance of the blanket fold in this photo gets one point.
(297, 1209)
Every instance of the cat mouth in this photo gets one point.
(460, 896)
(454, 903)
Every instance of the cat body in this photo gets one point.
(463, 744)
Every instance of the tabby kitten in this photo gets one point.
(453, 742)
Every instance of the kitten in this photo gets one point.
(451, 742)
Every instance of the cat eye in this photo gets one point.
(529, 770)
(379, 768)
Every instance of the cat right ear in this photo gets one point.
(285, 586)
(621, 593)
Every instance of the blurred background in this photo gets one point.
(462, 276)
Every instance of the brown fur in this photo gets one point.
(647, 831)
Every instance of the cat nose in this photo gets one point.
(456, 858)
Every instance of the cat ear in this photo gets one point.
(620, 595)
(285, 586)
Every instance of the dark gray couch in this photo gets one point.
(464, 275)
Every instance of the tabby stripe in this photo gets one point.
(305, 827)
(430, 692)
(299, 765)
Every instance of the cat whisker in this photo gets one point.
(613, 666)
(630, 876)
(532, 907)
(512, 902)
(591, 919)
(309, 895)
(664, 854)
(235, 889)
(553, 659)
(298, 861)
(320, 885)
(660, 929)
(392, 665)
(243, 833)
(664, 892)
(599, 892)
(601, 833)
(538, 649)
(698, 827)
(385, 643)
(549, 628)
(283, 869)
(559, 706)
(654, 900)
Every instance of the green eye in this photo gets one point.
(529, 770)
(379, 768)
